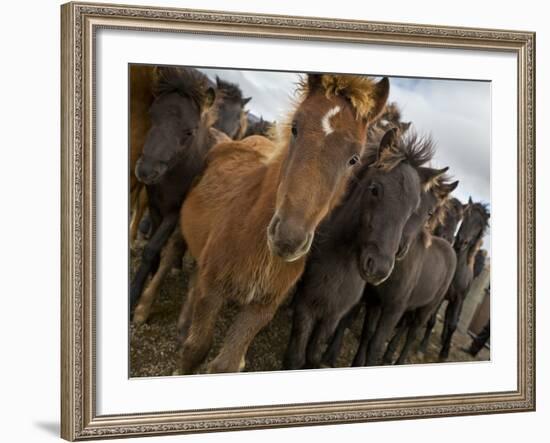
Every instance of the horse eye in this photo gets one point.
(374, 191)
(294, 129)
(430, 213)
(353, 160)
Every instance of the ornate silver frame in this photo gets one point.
(79, 420)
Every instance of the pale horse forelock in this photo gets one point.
(325, 121)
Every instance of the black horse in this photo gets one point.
(466, 245)
(257, 125)
(365, 229)
(412, 286)
(229, 105)
(438, 268)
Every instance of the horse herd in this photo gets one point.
(335, 207)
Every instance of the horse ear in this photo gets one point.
(451, 187)
(390, 139)
(209, 97)
(429, 176)
(405, 127)
(314, 82)
(447, 189)
(380, 95)
(218, 82)
(244, 101)
(470, 201)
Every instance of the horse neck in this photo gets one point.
(263, 208)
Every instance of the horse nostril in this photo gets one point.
(370, 265)
(273, 226)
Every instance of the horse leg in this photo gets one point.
(332, 353)
(186, 313)
(134, 202)
(429, 327)
(151, 256)
(411, 337)
(324, 331)
(248, 322)
(372, 315)
(171, 253)
(451, 320)
(392, 346)
(302, 327)
(137, 214)
(389, 318)
(206, 306)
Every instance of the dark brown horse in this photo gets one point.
(452, 216)
(367, 227)
(438, 268)
(230, 113)
(226, 113)
(389, 301)
(251, 219)
(173, 155)
(466, 246)
(257, 126)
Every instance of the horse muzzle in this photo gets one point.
(288, 241)
(150, 174)
(375, 269)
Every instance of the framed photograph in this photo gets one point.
(277, 221)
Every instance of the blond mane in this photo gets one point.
(357, 88)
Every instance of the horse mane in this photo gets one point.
(483, 209)
(358, 89)
(448, 205)
(413, 149)
(230, 91)
(185, 81)
(392, 113)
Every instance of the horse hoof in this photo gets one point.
(242, 364)
(140, 317)
(177, 372)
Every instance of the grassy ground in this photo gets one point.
(153, 346)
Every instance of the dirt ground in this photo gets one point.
(154, 345)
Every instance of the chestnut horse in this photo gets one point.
(251, 219)
(141, 99)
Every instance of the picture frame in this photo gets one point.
(80, 24)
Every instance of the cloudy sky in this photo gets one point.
(455, 113)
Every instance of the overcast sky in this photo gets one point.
(455, 113)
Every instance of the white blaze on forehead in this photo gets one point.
(325, 121)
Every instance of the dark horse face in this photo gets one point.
(175, 117)
(452, 216)
(434, 193)
(325, 141)
(396, 203)
(229, 108)
(389, 199)
(474, 222)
